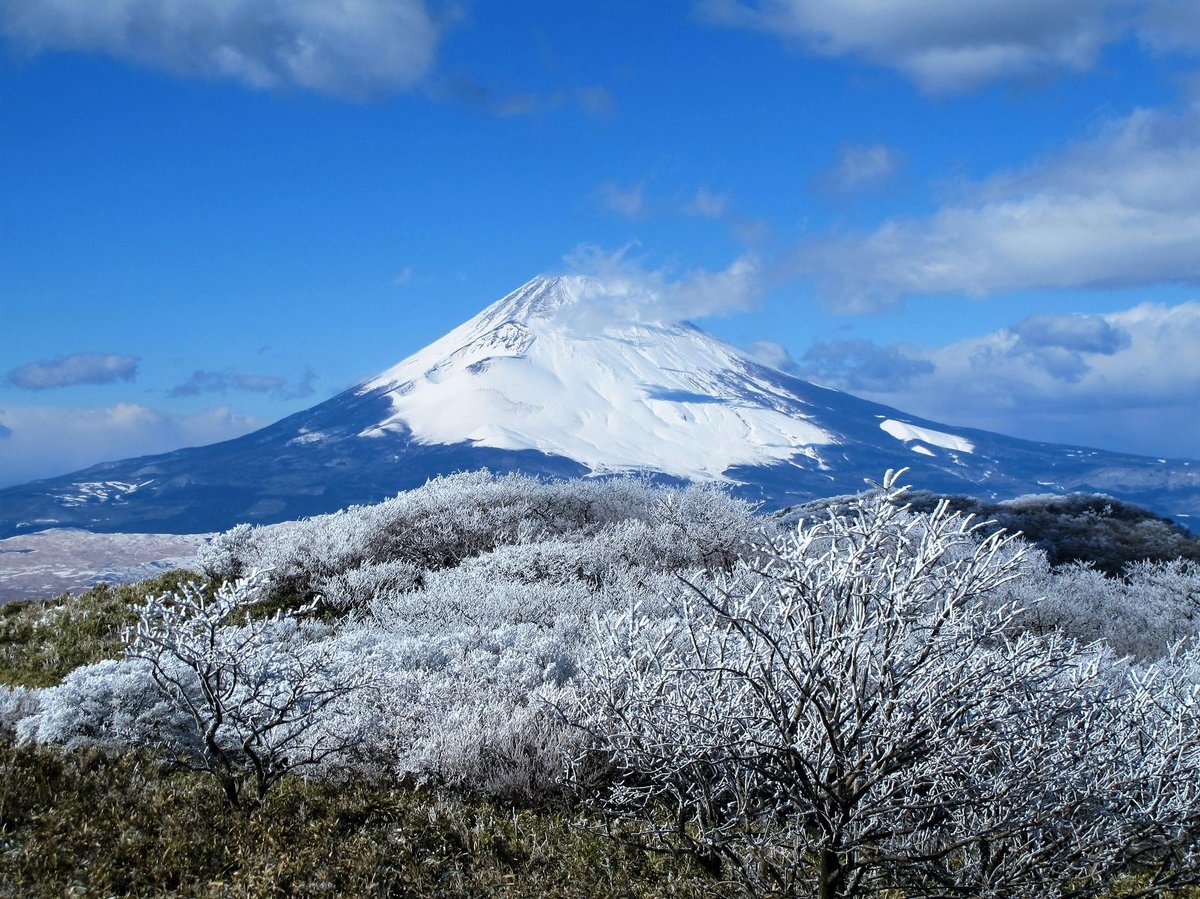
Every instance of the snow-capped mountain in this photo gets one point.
(537, 371)
(562, 378)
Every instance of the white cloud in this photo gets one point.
(944, 46)
(633, 292)
(1126, 380)
(347, 48)
(45, 441)
(863, 168)
(772, 353)
(77, 368)
(1120, 210)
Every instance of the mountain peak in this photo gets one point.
(541, 298)
(557, 367)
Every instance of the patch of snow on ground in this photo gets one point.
(35, 566)
(100, 491)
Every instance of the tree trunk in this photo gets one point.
(831, 875)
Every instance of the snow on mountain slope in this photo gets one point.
(533, 372)
(567, 377)
(908, 433)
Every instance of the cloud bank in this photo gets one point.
(1126, 380)
(346, 48)
(77, 368)
(45, 441)
(1120, 210)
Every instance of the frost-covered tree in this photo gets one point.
(846, 715)
(262, 694)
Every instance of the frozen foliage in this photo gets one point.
(463, 516)
(263, 696)
(16, 704)
(470, 604)
(1142, 614)
(114, 705)
(844, 716)
(878, 698)
(1105, 532)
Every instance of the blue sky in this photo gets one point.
(219, 212)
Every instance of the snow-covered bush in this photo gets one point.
(261, 694)
(848, 715)
(115, 705)
(459, 517)
(1143, 613)
(369, 583)
(475, 708)
(16, 704)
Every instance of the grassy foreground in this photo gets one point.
(86, 824)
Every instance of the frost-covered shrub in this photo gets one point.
(852, 712)
(459, 517)
(1142, 614)
(1106, 533)
(476, 709)
(259, 693)
(114, 705)
(361, 587)
(466, 598)
(16, 704)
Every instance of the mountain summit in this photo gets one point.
(542, 370)
(571, 376)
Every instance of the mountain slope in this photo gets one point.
(542, 381)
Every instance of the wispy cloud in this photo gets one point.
(772, 353)
(627, 201)
(633, 291)
(1120, 210)
(77, 368)
(636, 201)
(352, 50)
(861, 365)
(45, 441)
(595, 101)
(944, 46)
(707, 204)
(862, 168)
(223, 381)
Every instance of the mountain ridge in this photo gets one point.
(569, 377)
